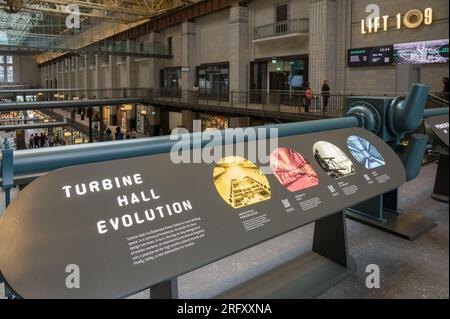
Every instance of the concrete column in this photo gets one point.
(113, 74)
(58, 75)
(77, 76)
(43, 75)
(60, 66)
(187, 119)
(322, 44)
(239, 55)
(343, 13)
(98, 76)
(69, 78)
(87, 83)
(154, 40)
(54, 74)
(154, 120)
(188, 55)
(50, 76)
(235, 122)
(164, 121)
(131, 73)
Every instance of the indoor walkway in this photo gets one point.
(409, 269)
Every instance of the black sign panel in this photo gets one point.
(439, 127)
(126, 225)
(380, 55)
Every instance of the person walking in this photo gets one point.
(308, 97)
(108, 134)
(118, 135)
(31, 141)
(43, 140)
(37, 140)
(57, 140)
(133, 133)
(51, 139)
(325, 95)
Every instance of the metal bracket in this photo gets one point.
(7, 170)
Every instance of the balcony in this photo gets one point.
(289, 28)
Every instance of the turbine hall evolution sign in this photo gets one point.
(130, 224)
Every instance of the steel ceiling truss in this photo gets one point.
(36, 24)
(124, 11)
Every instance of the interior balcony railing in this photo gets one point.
(293, 26)
(286, 105)
(34, 44)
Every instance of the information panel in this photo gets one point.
(439, 127)
(126, 225)
(380, 55)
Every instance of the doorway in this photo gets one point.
(279, 81)
(281, 17)
(258, 82)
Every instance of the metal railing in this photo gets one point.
(81, 94)
(281, 28)
(289, 105)
(40, 118)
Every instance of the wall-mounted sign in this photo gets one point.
(126, 107)
(412, 19)
(423, 52)
(185, 69)
(127, 225)
(380, 55)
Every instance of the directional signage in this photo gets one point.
(380, 55)
(125, 225)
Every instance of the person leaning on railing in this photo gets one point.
(308, 96)
(325, 95)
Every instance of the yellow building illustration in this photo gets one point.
(240, 182)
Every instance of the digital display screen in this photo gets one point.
(424, 52)
(380, 55)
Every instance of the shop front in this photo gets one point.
(213, 122)
(213, 81)
(284, 75)
(170, 82)
(143, 112)
(70, 136)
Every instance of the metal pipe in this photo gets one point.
(406, 115)
(413, 155)
(34, 161)
(435, 112)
